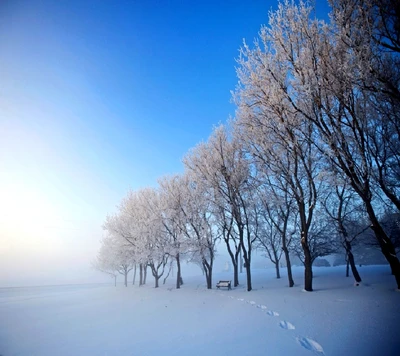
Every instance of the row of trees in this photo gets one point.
(314, 145)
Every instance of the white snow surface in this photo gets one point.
(338, 318)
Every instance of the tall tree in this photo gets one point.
(104, 262)
(198, 224)
(171, 195)
(338, 77)
(222, 165)
(351, 96)
(278, 138)
(139, 222)
(276, 209)
(115, 255)
(343, 207)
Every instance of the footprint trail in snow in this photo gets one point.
(305, 342)
(310, 344)
(272, 313)
(286, 325)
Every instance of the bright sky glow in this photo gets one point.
(97, 97)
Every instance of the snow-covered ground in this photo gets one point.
(336, 319)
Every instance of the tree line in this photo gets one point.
(313, 150)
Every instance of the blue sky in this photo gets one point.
(97, 97)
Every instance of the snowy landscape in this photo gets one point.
(338, 318)
(127, 196)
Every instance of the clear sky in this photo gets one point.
(97, 97)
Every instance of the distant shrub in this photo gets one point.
(339, 260)
(321, 262)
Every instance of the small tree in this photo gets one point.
(114, 257)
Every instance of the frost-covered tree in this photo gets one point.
(172, 196)
(268, 239)
(223, 167)
(155, 240)
(346, 83)
(198, 223)
(123, 224)
(322, 239)
(115, 256)
(139, 222)
(104, 263)
(343, 207)
(367, 38)
(276, 213)
(277, 137)
(341, 79)
(360, 121)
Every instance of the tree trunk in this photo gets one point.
(276, 257)
(347, 265)
(178, 274)
(278, 274)
(209, 280)
(354, 270)
(140, 274)
(350, 260)
(385, 243)
(248, 276)
(169, 271)
(208, 271)
(144, 273)
(308, 275)
(247, 261)
(134, 275)
(288, 264)
(115, 280)
(126, 277)
(234, 258)
(235, 275)
(154, 272)
(240, 261)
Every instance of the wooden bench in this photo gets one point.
(224, 284)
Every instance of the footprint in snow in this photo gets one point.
(253, 303)
(231, 297)
(310, 344)
(272, 313)
(262, 307)
(240, 299)
(286, 325)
